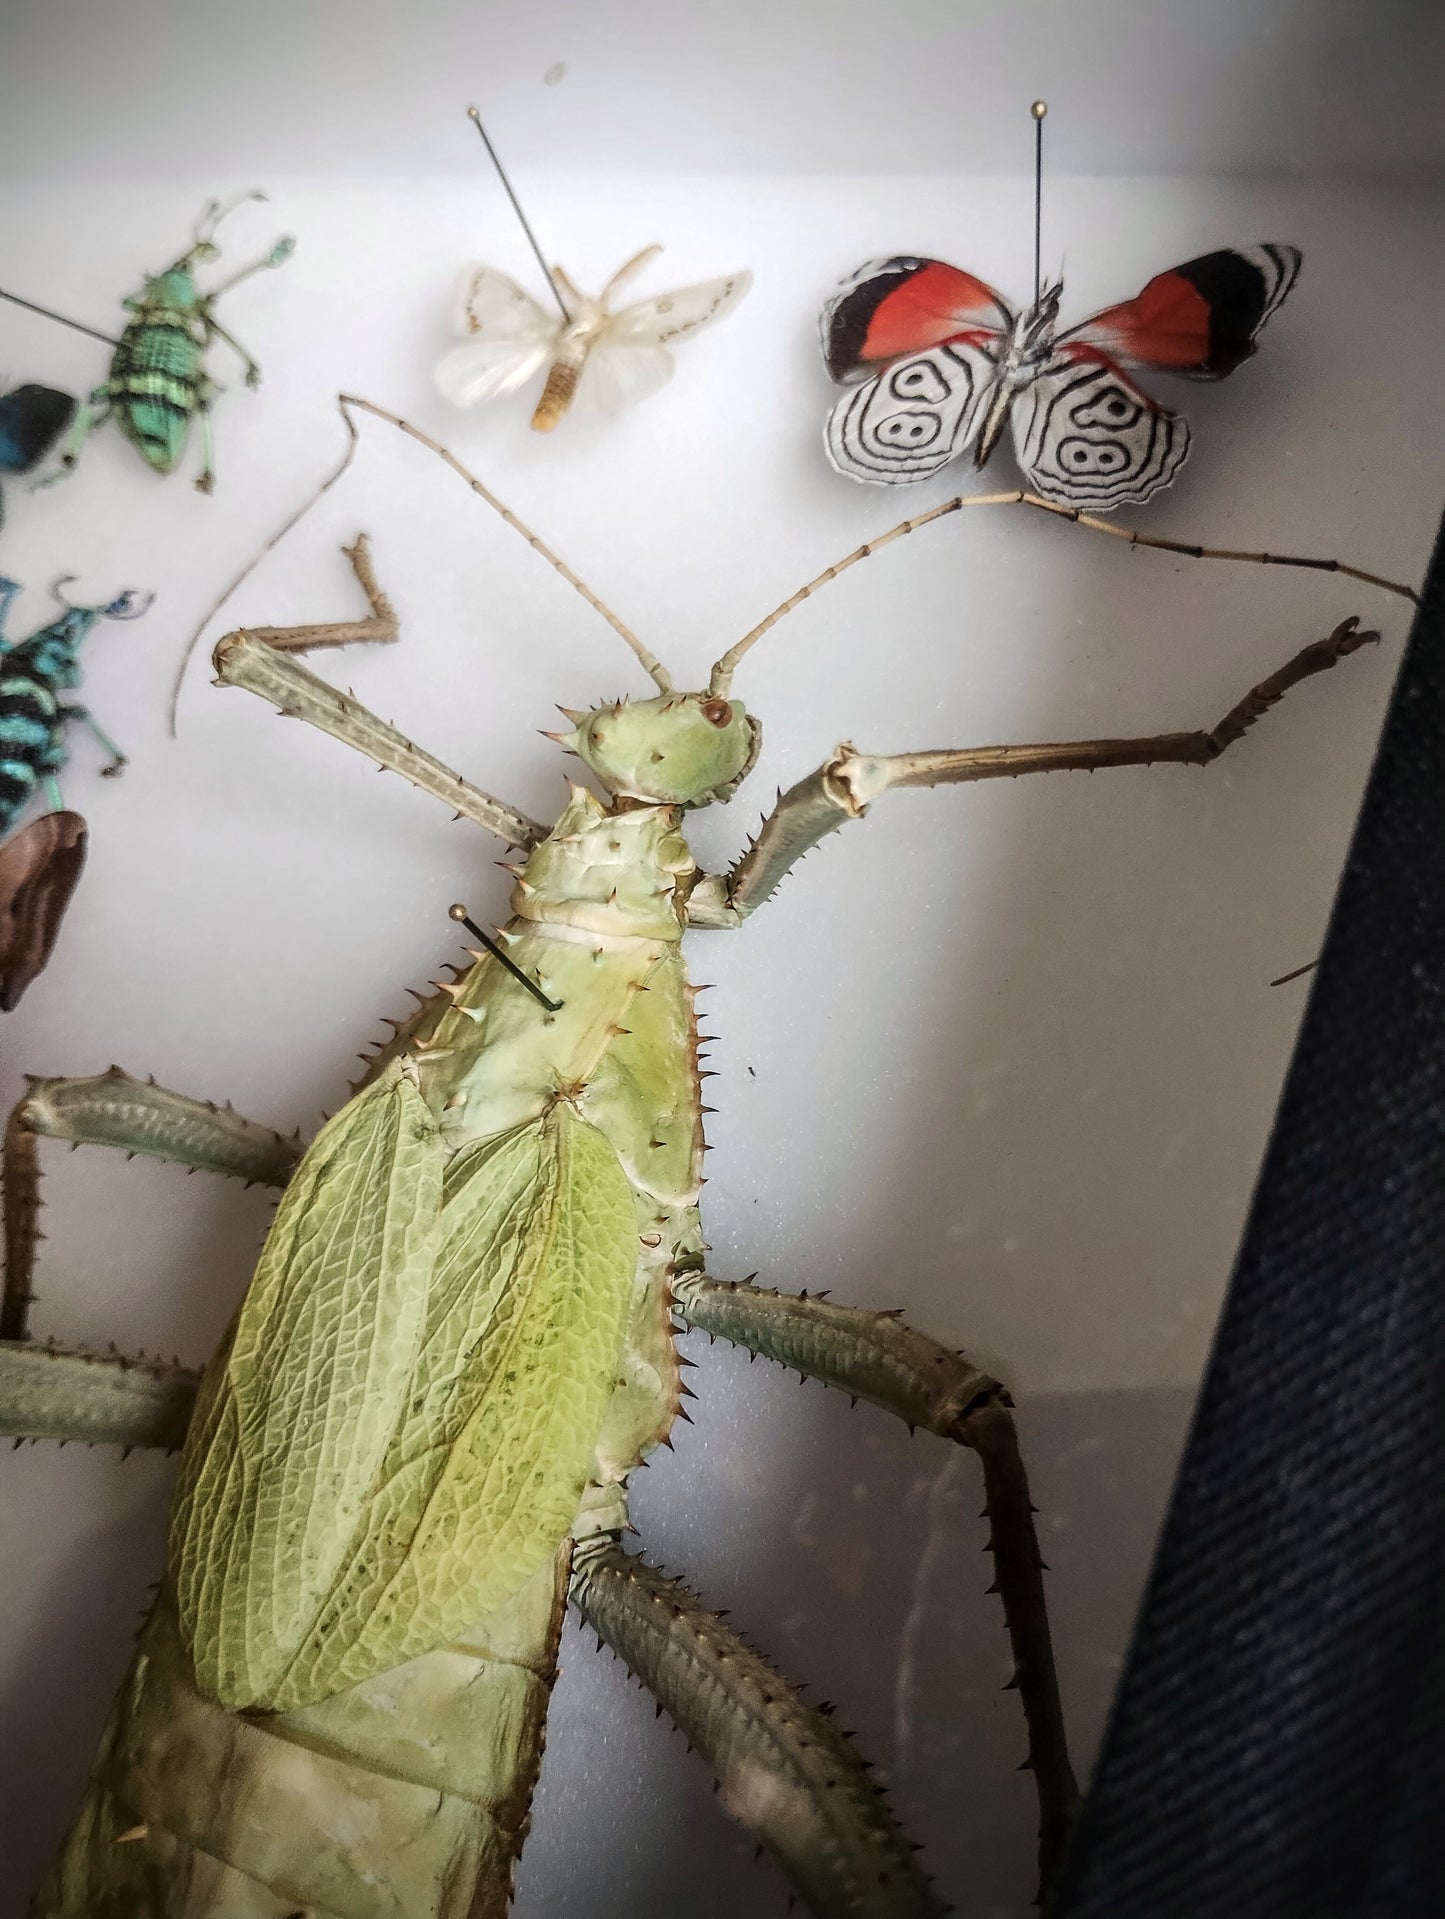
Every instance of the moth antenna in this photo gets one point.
(651, 665)
(720, 682)
(1039, 109)
(476, 119)
(628, 268)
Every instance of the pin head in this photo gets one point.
(1039, 109)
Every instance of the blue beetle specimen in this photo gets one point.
(33, 717)
(158, 381)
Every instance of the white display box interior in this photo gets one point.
(1003, 1056)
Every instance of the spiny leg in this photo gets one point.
(786, 1773)
(54, 1392)
(112, 1109)
(875, 1356)
(244, 660)
(844, 787)
(380, 628)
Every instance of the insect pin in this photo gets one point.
(937, 362)
(32, 419)
(601, 359)
(158, 380)
(34, 673)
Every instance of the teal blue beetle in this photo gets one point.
(158, 381)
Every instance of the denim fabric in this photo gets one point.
(1278, 1742)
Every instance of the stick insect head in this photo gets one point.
(682, 749)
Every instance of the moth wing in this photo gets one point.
(1200, 320)
(32, 419)
(913, 417)
(509, 338)
(669, 316)
(890, 309)
(618, 373)
(1087, 436)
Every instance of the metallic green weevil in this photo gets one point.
(158, 377)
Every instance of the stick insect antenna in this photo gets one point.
(345, 402)
(1038, 110)
(476, 119)
(651, 665)
(722, 674)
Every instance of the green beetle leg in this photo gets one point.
(93, 411)
(253, 369)
(875, 1356)
(206, 478)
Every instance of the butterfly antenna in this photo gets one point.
(61, 319)
(1039, 109)
(476, 119)
(720, 683)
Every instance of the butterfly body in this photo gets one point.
(938, 363)
(598, 357)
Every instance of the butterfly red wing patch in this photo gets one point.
(1199, 320)
(891, 308)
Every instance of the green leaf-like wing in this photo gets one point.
(536, 1257)
(298, 1409)
(457, 1456)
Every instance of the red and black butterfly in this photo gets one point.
(944, 361)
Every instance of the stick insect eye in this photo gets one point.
(720, 712)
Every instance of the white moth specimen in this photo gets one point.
(602, 360)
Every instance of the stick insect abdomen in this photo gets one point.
(405, 1795)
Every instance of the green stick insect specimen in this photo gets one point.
(158, 381)
(415, 1441)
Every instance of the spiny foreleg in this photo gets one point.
(785, 1772)
(112, 1109)
(845, 786)
(877, 1357)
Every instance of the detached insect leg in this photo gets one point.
(112, 1109)
(877, 1357)
(785, 1771)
